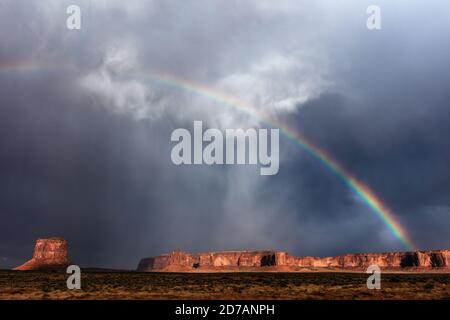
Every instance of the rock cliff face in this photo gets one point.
(184, 262)
(48, 254)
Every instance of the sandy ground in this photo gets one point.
(228, 285)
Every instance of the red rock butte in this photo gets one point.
(49, 254)
(180, 261)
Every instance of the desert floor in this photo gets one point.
(306, 285)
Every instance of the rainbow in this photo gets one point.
(358, 187)
(355, 185)
(23, 67)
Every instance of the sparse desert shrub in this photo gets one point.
(429, 286)
(395, 280)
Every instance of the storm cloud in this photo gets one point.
(85, 126)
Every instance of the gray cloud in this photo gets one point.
(85, 133)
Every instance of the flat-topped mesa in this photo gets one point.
(272, 260)
(183, 261)
(50, 253)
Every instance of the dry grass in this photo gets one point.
(310, 285)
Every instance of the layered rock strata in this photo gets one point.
(184, 261)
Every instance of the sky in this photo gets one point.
(85, 128)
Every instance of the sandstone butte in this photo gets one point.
(50, 253)
(180, 261)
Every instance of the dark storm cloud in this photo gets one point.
(85, 144)
(390, 130)
(97, 179)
